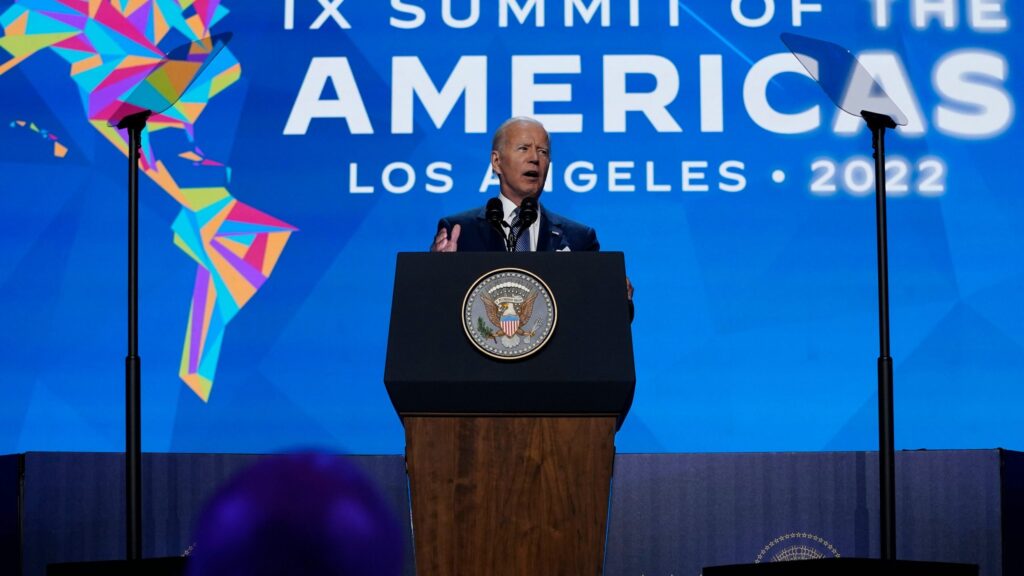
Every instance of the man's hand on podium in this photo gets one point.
(629, 289)
(442, 243)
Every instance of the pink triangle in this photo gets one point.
(134, 74)
(244, 213)
(111, 18)
(81, 6)
(80, 43)
(257, 251)
(204, 8)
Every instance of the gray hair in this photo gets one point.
(498, 142)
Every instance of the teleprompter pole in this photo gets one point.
(886, 437)
(133, 364)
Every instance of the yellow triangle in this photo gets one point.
(199, 198)
(24, 45)
(225, 79)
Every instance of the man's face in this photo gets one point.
(522, 161)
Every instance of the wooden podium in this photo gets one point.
(510, 462)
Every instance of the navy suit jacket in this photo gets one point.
(556, 233)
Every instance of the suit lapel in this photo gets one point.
(490, 238)
(551, 237)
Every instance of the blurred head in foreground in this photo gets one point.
(297, 514)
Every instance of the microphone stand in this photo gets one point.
(527, 216)
(511, 238)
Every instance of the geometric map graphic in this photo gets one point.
(120, 52)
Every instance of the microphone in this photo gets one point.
(495, 215)
(527, 216)
(527, 212)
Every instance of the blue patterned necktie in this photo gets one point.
(523, 241)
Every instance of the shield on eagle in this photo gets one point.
(509, 320)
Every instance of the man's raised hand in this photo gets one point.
(442, 243)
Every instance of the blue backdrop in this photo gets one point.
(683, 132)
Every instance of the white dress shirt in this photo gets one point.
(508, 206)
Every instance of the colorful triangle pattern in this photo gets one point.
(129, 55)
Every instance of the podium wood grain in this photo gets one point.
(509, 495)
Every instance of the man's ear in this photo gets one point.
(494, 162)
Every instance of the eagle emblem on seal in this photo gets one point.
(510, 315)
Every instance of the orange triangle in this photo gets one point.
(18, 27)
(134, 5)
(160, 26)
(86, 64)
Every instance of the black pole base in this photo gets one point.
(886, 459)
(173, 566)
(133, 456)
(844, 567)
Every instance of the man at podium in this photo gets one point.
(528, 443)
(520, 157)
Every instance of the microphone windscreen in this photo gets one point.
(493, 212)
(528, 210)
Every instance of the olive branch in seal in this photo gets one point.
(484, 331)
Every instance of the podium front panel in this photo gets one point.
(586, 367)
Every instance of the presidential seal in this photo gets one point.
(509, 313)
(797, 546)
